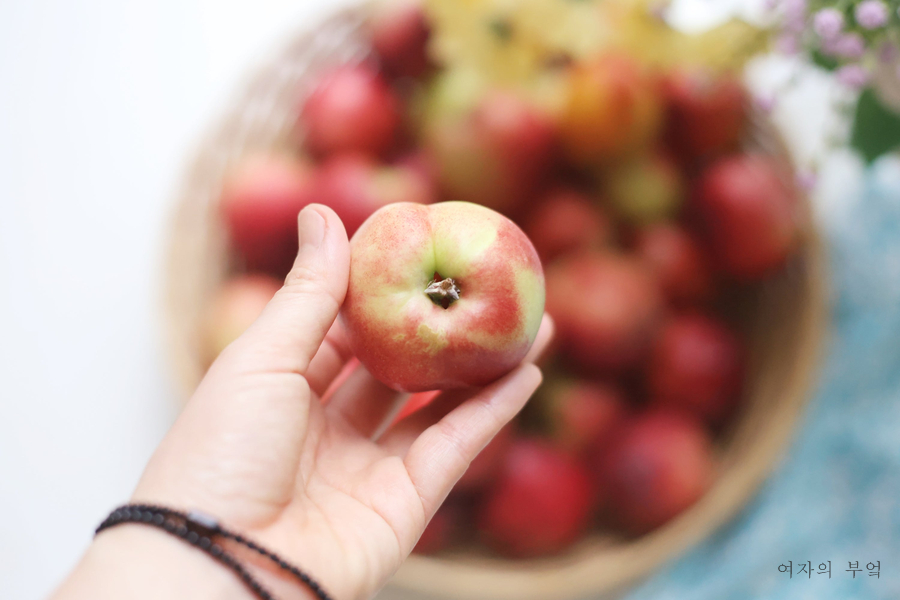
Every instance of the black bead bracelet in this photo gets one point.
(198, 530)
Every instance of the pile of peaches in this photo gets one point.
(648, 218)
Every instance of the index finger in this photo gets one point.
(443, 452)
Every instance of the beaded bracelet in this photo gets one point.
(198, 530)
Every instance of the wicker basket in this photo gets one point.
(785, 320)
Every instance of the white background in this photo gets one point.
(100, 104)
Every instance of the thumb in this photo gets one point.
(291, 328)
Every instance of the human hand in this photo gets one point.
(316, 481)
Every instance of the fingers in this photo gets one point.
(365, 403)
(290, 330)
(440, 455)
(370, 406)
(400, 437)
(329, 360)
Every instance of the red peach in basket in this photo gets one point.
(659, 465)
(235, 307)
(441, 296)
(400, 33)
(747, 207)
(606, 306)
(565, 220)
(443, 529)
(354, 186)
(645, 189)
(681, 266)
(497, 155)
(351, 109)
(706, 113)
(487, 464)
(581, 414)
(260, 202)
(540, 503)
(612, 110)
(696, 365)
(420, 162)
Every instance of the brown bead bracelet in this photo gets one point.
(198, 530)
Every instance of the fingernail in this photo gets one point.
(311, 227)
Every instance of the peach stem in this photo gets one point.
(444, 292)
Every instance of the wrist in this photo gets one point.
(138, 561)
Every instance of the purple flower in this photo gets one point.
(795, 8)
(849, 45)
(765, 103)
(788, 43)
(807, 180)
(853, 76)
(828, 23)
(794, 15)
(887, 52)
(871, 14)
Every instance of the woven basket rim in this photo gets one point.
(590, 568)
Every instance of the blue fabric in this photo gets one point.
(837, 494)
